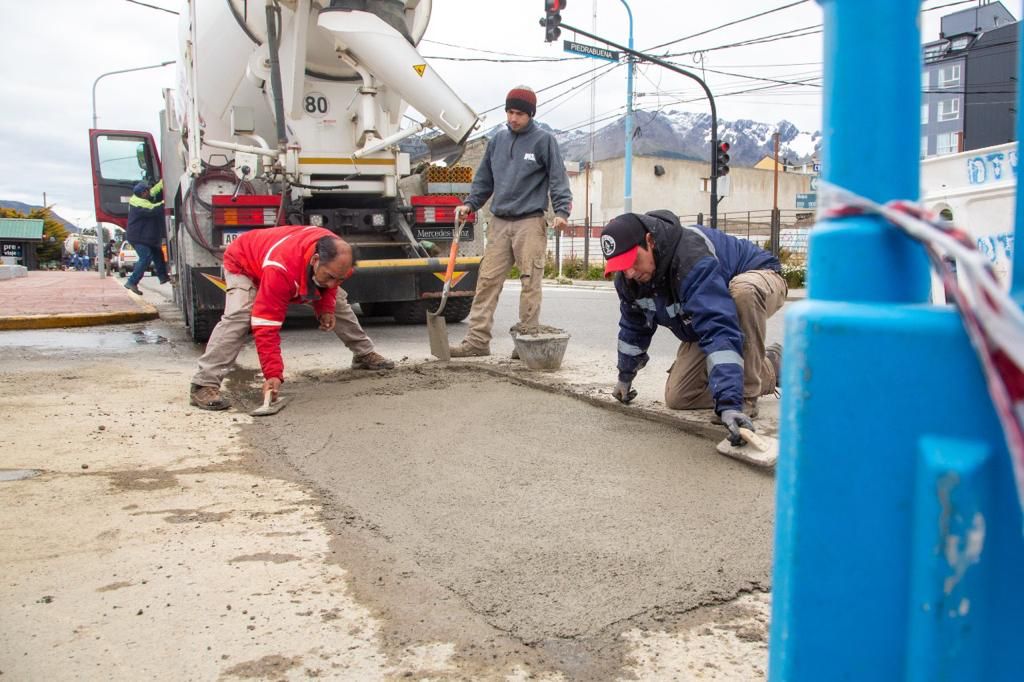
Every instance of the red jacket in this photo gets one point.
(277, 259)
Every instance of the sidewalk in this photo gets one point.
(44, 300)
(794, 294)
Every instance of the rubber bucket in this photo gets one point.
(541, 351)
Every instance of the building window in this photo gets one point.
(949, 110)
(924, 114)
(924, 146)
(949, 76)
(925, 80)
(947, 143)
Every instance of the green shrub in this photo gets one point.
(795, 276)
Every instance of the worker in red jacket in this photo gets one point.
(266, 271)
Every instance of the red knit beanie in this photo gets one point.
(522, 98)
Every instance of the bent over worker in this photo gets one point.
(266, 270)
(715, 292)
(521, 167)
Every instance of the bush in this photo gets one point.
(795, 276)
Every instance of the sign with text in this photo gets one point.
(590, 51)
(807, 200)
(8, 250)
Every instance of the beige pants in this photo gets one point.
(232, 331)
(758, 295)
(520, 242)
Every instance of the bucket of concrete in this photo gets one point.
(540, 347)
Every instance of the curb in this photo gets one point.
(15, 322)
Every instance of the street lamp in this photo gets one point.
(627, 198)
(100, 244)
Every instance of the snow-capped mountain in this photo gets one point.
(676, 134)
(686, 135)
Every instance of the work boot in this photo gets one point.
(372, 360)
(207, 398)
(749, 409)
(465, 350)
(134, 288)
(515, 353)
(774, 355)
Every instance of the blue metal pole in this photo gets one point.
(1017, 273)
(898, 547)
(627, 199)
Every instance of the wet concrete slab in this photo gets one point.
(518, 524)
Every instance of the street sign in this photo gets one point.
(814, 183)
(807, 200)
(590, 51)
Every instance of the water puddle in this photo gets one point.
(65, 339)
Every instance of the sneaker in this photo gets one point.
(207, 398)
(774, 355)
(134, 288)
(464, 350)
(372, 360)
(749, 409)
(515, 353)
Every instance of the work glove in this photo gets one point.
(734, 420)
(623, 392)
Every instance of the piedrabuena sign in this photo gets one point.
(590, 51)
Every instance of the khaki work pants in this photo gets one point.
(758, 295)
(232, 331)
(523, 243)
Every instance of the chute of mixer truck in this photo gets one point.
(291, 112)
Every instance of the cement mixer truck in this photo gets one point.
(292, 112)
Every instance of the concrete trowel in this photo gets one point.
(758, 450)
(436, 326)
(269, 406)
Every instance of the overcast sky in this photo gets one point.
(53, 50)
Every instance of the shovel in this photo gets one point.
(269, 406)
(436, 326)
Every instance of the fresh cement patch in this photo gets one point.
(520, 525)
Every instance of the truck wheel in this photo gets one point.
(410, 312)
(203, 324)
(457, 309)
(375, 309)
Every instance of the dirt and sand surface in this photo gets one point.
(425, 524)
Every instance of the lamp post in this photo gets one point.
(627, 198)
(100, 243)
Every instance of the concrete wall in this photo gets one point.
(679, 189)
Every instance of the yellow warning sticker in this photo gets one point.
(419, 69)
(456, 277)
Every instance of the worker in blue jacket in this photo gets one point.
(715, 292)
(145, 232)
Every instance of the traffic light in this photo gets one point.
(722, 159)
(552, 19)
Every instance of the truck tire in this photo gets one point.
(203, 324)
(457, 309)
(376, 309)
(410, 312)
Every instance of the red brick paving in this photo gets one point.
(66, 293)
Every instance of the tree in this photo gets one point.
(48, 250)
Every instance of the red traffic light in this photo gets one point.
(724, 146)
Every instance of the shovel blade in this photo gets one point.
(437, 329)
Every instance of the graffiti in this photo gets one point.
(992, 167)
(998, 248)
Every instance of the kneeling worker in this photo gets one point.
(266, 270)
(715, 293)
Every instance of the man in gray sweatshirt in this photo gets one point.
(520, 169)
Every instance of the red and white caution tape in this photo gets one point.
(994, 322)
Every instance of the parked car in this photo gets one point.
(125, 258)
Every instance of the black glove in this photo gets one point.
(734, 420)
(623, 393)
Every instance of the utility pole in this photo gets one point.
(587, 209)
(627, 198)
(776, 221)
(640, 56)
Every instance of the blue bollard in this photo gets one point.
(898, 552)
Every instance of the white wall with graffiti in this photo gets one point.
(976, 189)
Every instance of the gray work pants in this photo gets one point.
(521, 242)
(758, 295)
(232, 331)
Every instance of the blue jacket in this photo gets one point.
(520, 170)
(689, 294)
(146, 218)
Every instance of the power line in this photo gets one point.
(143, 4)
(730, 23)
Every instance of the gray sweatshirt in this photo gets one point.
(520, 170)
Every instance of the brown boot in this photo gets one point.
(372, 360)
(774, 355)
(464, 350)
(207, 398)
